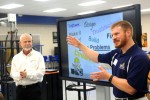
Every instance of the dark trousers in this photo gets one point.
(29, 92)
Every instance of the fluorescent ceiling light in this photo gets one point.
(41, 0)
(55, 10)
(11, 6)
(91, 3)
(88, 12)
(122, 6)
(145, 10)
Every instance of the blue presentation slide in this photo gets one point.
(95, 33)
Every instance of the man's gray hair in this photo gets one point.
(25, 34)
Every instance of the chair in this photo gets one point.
(56, 58)
(46, 61)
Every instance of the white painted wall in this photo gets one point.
(45, 32)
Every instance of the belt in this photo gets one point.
(129, 98)
(28, 86)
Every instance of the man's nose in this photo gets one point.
(113, 37)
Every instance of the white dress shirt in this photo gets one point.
(34, 65)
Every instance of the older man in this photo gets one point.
(27, 70)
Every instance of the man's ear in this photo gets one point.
(128, 33)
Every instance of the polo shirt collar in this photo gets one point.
(130, 50)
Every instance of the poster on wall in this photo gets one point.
(144, 39)
(55, 37)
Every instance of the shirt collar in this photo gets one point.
(31, 52)
(130, 50)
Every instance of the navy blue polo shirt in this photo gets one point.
(133, 65)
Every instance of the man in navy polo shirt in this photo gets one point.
(130, 65)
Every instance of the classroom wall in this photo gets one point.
(44, 31)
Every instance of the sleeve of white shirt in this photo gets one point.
(14, 73)
(39, 72)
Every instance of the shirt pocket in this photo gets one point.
(34, 64)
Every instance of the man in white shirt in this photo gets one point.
(27, 70)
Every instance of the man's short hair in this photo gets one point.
(125, 25)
